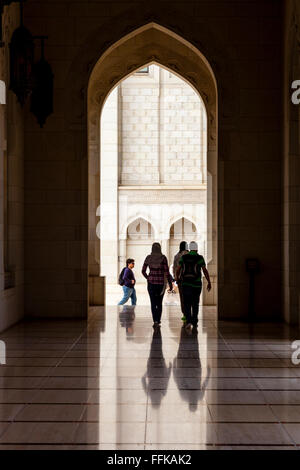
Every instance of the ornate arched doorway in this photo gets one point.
(152, 44)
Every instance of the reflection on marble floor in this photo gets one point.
(112, 382)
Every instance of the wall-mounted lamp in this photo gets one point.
(21, 61)
(29, 78)
(42, 92)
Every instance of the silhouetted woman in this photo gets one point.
(157, 278)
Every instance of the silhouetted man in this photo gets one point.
(189, 271)
(183, 250)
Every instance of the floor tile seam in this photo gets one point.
(279, 422)
(17, 345)
(254, 423)
(89, 443)
(272, 377)
(208, 446)
(185, 367)
(257, 445)
(277, 354)
(236, 422)
(66, 403)
(146, 421)
(270, 406)
(285, 404)
(107, 422)
(36, 389)
(61, 389)
(5, 429)
(64, 355)
(279, 389)
(68, 421)
(96, 441)
(43, 381)
(85, 407)
(288, 434)
(64, 389)
(243, 369)
(28, 376)
(125, 376)
(31, 366)
(24, 367)
(101, 404)
(209, 411)
(76, 341)
(138, 389)
(31, 357)
(51, 367)
(103, 389)
(47, 403)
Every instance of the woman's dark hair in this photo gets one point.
(128, 261)
(156, 248)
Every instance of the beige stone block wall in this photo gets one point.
(139, 139)
(184, 131)
(164, 130)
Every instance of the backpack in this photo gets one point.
(121, 280)
(190, 271)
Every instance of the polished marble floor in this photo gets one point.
(114, 383)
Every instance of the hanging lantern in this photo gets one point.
(42, 92)
(21, 61)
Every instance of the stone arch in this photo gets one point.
(177, 218)
(202, 36)
(151, 43)
(173, 242)
(136, 247)
(131, 219)
(199, 34)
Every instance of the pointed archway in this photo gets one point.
(149, 44)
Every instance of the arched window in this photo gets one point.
(140, 229)
(183, 228)
(140, 236)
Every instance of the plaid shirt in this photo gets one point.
(158, 275)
